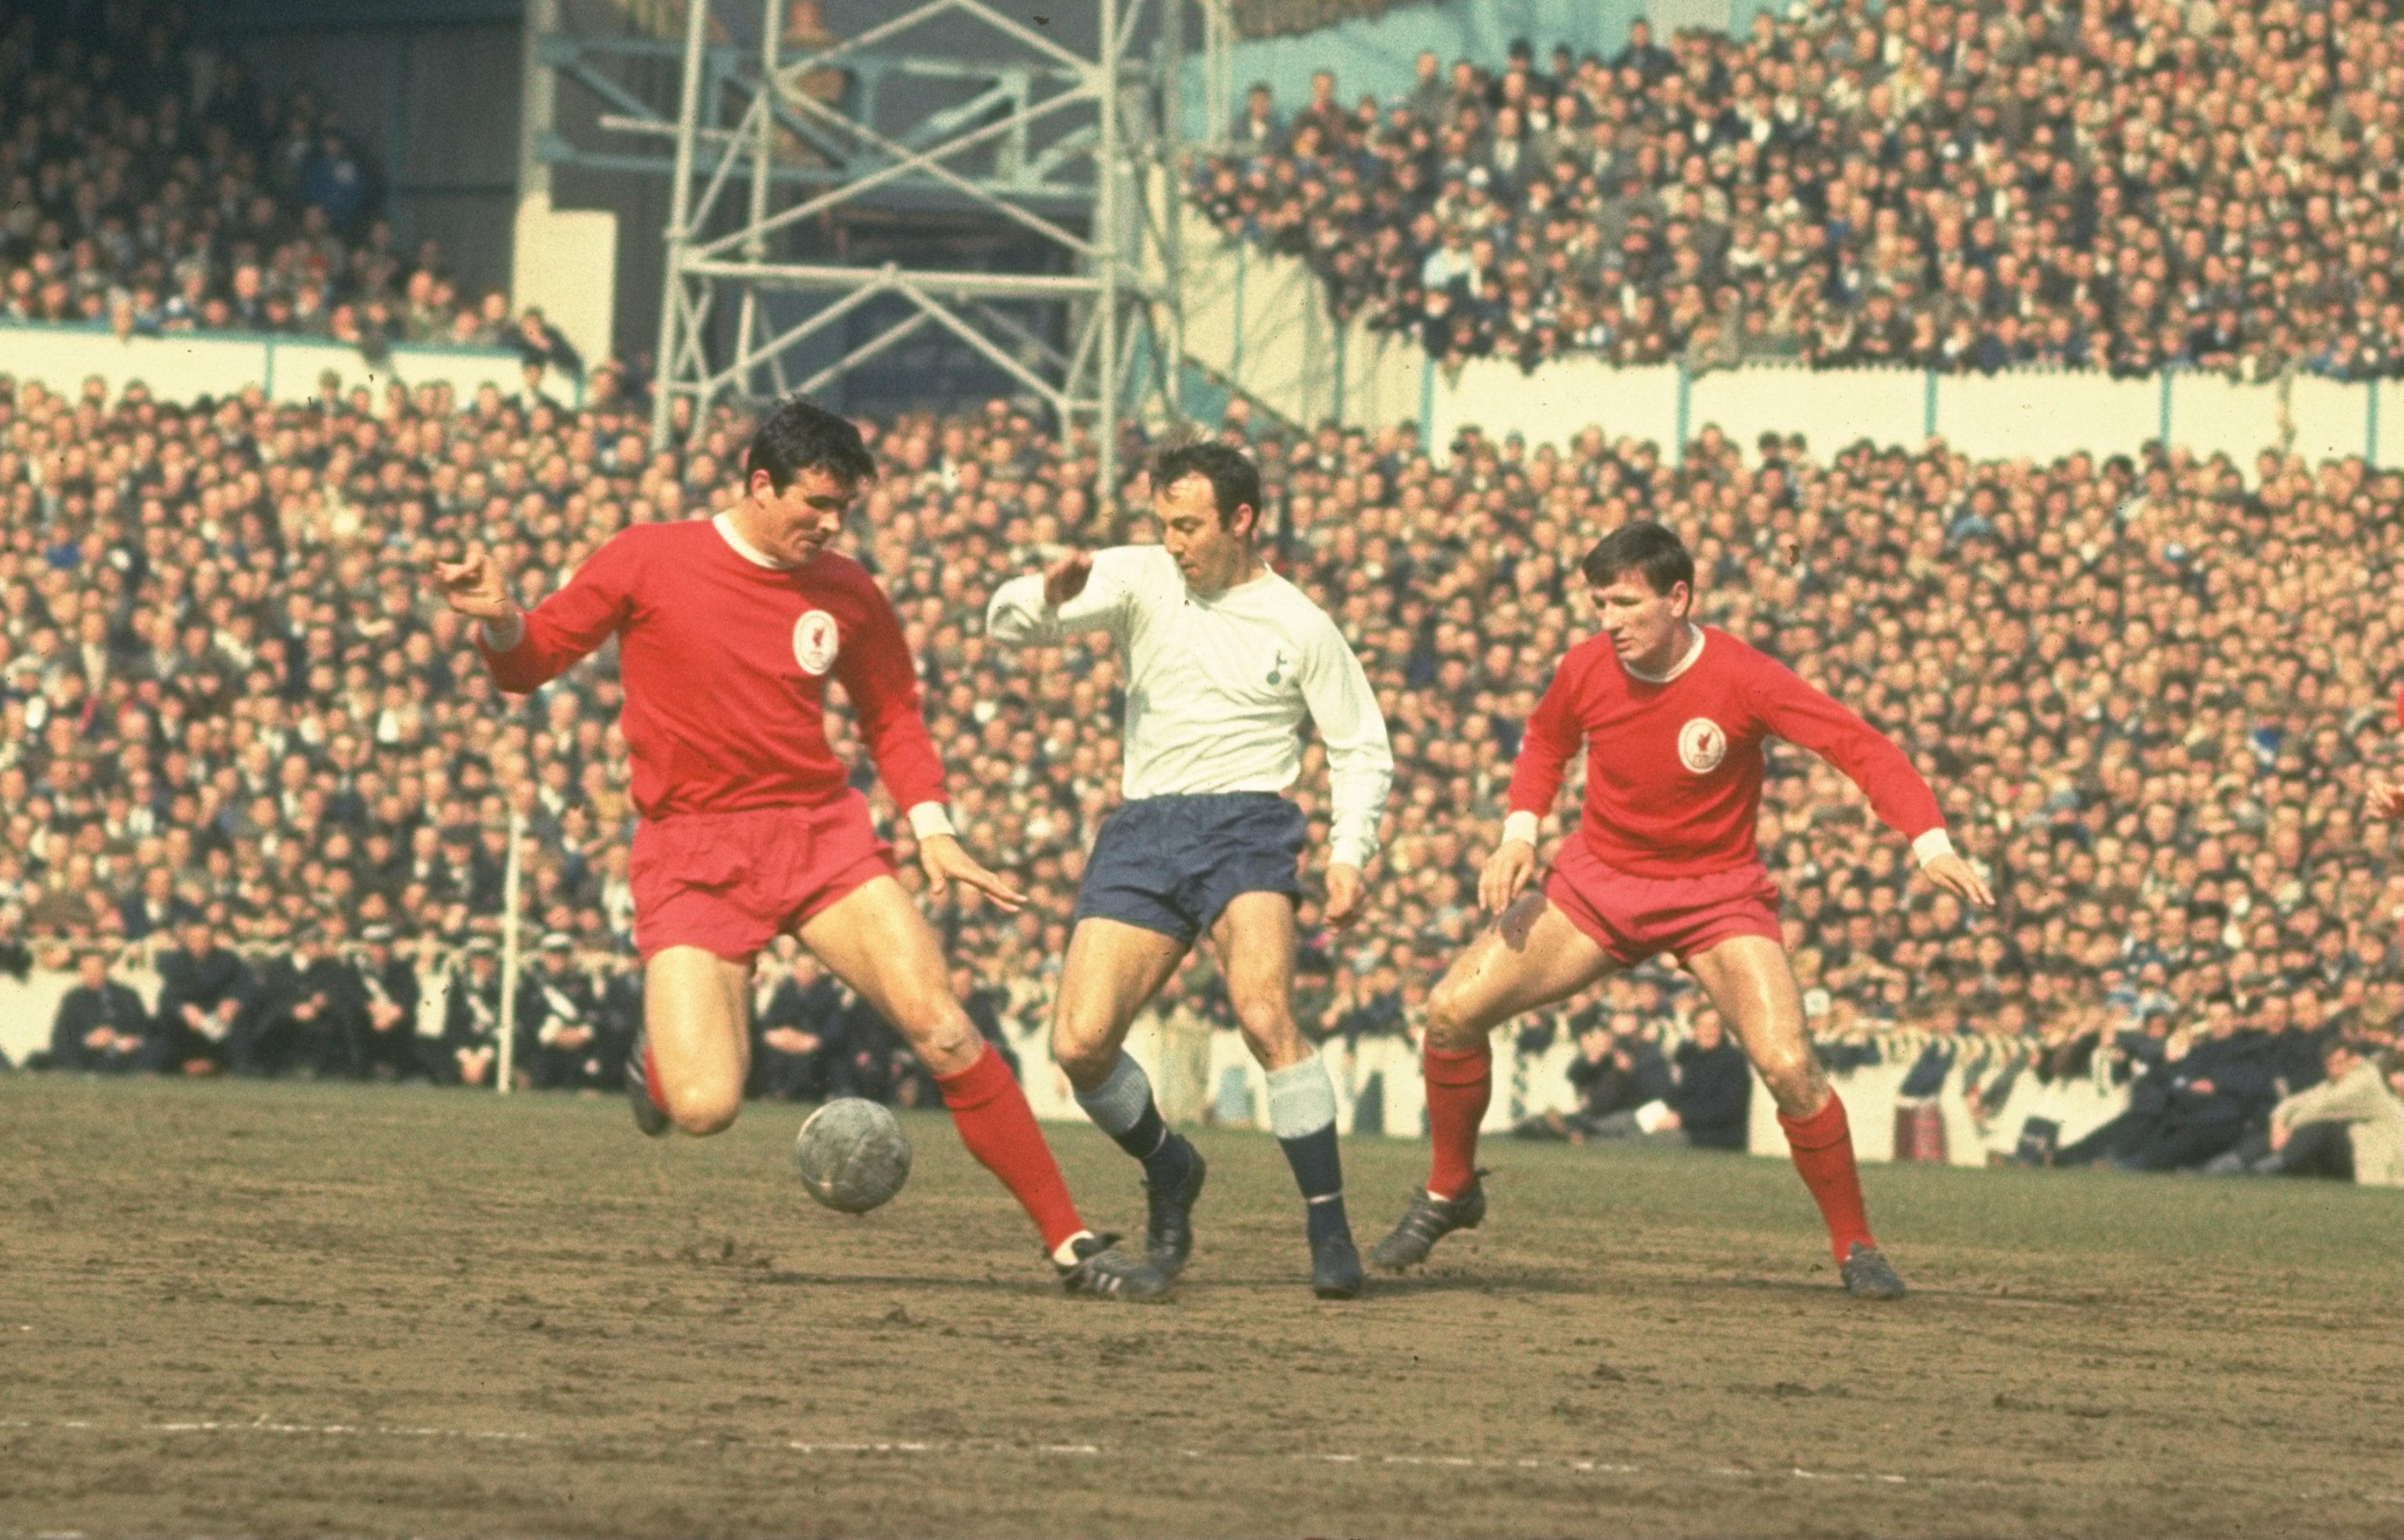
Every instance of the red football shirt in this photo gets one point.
(725, 664)
(1673, 766)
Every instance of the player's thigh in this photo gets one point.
(1256, 939)
(1111, 970)
(876, 941)
(1531, 956)
(696, 1018)
(1752, 982)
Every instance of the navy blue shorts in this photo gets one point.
(1171, 864)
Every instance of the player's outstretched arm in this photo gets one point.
(1347, 891)
(2386, 798)
(473, 586)
(946, 862)
(1083, 591)
(1899, 795)
(1360, 764)
(1553, 735)
(528, 650)
(1961, 880)
(1507, 873)
(1068, 578)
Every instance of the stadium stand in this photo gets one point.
(153, 189)
(2131, 186)
(2146, 691)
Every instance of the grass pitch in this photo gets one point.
(235, 1309)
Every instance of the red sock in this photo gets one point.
(1822, 1147)
(999, 1128)
(651, 1078)
(1459, 1087)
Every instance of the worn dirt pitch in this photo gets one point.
(231, 1309)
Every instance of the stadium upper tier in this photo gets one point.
(2132, 186)
(2148, 693)
(153, 188)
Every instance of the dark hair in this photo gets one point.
(1235, 480)
(799, 435)
(1643, 546)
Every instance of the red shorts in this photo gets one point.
(728, 883)
(1634, 919)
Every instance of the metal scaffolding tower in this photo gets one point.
(1062, 143)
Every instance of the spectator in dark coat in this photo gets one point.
(796, 1025)
(568, 1048)
(313, 1007)
(1708, 1099)
(1714, 1097)
(101, 1026)
(206, 993)
(472, 1027)
(386, 1046)
(1617, 1070)
(2192, 1106)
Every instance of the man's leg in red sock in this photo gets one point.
(1459, 1087)
(999, 1128)
(1822, 1147)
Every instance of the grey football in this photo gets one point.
(852, 1154)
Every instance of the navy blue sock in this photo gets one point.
(1165, 1155)
(1319, 1171)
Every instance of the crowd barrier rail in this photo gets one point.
(1260, 322)
(184, 365)
(1205, 1074)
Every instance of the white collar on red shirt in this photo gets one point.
(1694, 651)
(724, 525)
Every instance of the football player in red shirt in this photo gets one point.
(729, 631)
(1672, 716)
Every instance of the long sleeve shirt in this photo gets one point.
(1218, 686)
(725, 658)
(1673, 766)
(2374, 1121)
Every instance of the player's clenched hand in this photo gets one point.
(2386, 798)
(1507, 870)
(472, 585)
(1344, 891)
(1067, 579)
(946, 862)
(1961, 880)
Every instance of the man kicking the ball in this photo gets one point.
(1224, 658)
(1672, 716)
(728, 630)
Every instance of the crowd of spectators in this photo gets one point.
(2130, 184)
(239, 733)
(153, 188)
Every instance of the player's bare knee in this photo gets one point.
(1451, 1027)
(1271, 1035)
(1084, 1057)
(1796, 1083)
(703, 1112)
(940, 1033)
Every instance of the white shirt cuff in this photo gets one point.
(1933, 846)
(1520, 826)
(930, 819)
(1349, 852)
(500, 640)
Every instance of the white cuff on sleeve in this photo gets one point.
(1932, 845)
(1349, 852)
(1520, 826)
(930, 819)
(502, 640)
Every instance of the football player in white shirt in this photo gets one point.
(1225, 659)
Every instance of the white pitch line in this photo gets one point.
(1081, 1451)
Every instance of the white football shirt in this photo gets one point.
(1218, 687)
